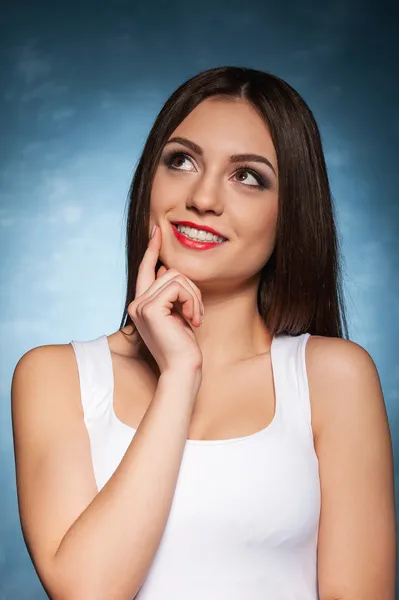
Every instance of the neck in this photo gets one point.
(232, 330)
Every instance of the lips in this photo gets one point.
(192, 244)
(200, 226)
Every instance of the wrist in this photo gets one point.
(183, 377)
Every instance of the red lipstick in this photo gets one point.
(193, 244)
(199, 226)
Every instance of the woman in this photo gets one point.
(226, 441)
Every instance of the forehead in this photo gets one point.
(227, 126)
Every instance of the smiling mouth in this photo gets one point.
(195, 244)
(201, 235)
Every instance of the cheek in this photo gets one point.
(156, 192)
(270, 223)
(165, 191)
(261, 223)
(269, 218)
(260, 234)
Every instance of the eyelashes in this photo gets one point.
(262, 183)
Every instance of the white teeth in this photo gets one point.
(199, 234)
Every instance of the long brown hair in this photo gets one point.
(300, 288)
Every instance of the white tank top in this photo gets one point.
(245, 514)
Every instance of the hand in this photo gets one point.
(167, 332)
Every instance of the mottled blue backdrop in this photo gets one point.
(81, 83)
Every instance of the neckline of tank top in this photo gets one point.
(192, 442)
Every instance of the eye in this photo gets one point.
(176, 157)
(259, 180)
(260, 184)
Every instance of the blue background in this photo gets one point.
(81, 84)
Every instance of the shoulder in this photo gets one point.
(356, 541)
(54, 473)
(341, 374)
(57, 356)
(45, 373)
(337, 356)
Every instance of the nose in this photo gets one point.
(205, 196)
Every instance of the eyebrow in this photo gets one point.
(233, 158)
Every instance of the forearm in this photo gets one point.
(108, 550)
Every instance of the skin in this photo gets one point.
(357, 541)
(210, 190)
(356, 550)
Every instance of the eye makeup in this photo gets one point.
(262, 182)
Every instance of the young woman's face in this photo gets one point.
(199, 180)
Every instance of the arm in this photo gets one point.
(357, 532)
(84, 544)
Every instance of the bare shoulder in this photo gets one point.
(54, 473)
(357, 533)
(337, 356)
(51, 366)
(336, 368)
(53, 352)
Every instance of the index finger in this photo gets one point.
(146, 273)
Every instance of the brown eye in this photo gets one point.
(180, 161)
(243, 176)
(243, 173)
(176, 160)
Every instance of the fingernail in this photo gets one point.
(202, 309)
(153, 231)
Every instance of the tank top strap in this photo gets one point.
(96, 378)
(291, 382)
